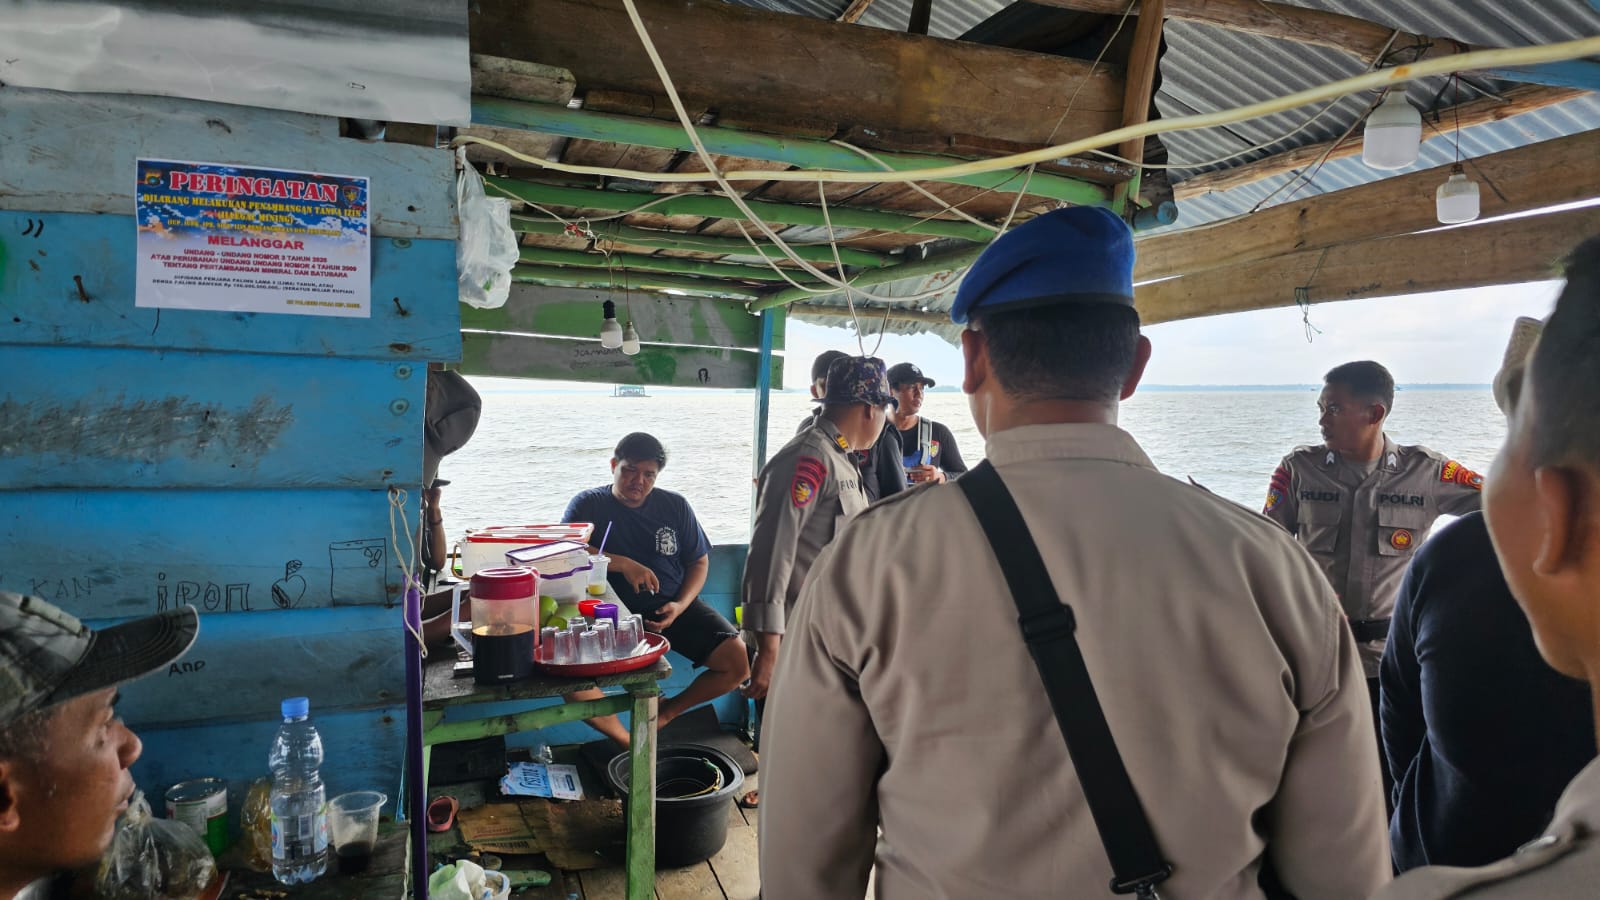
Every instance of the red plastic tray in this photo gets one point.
(657, 645)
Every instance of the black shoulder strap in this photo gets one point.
(1047, 625)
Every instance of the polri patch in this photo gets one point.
(1401, 539)
(1453, 471)
(809, 473)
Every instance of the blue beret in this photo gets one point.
(1081, 254)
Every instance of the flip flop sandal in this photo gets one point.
(746, 801)
(442, 813)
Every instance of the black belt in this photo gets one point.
(1366, 630)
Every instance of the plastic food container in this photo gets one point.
(568, 586)
(546, 559)
(483, 548)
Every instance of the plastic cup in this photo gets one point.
(353, 826)
(608, 643)
(547, 644)
(630, 631)
(597, 575)
(607, 611)
(589, 647)
(566, 647)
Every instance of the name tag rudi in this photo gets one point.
(1320, 496)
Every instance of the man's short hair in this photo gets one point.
(819, 366)
(23, 737)
(1366, 379)
(640, 447)
(1065, 351)
(1565, 370)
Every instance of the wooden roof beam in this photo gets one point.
(1519, 180)
(1363, 39)
(1514, 102)
(1491, 253)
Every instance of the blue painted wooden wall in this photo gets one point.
(721, 591)
(235, 462)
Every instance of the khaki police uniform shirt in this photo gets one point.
(804, 494)
(1565, 863)
(1363, 528)
(906, 697)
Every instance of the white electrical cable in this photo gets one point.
(869, 156)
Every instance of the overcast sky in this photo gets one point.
(1451, 337)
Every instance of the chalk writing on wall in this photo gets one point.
(210, 596)
(288, 590)
(358, 570)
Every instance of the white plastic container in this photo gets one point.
(549, 559)
(567, 586)
(486, 547)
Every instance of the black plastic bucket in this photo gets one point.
(694, 785)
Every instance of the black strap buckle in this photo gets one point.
(1051, 624)
(1143, 887)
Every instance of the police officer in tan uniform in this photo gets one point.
(1541, 502)
(1361, 504)
(804, 494)
(906, 699)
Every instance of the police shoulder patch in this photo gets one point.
(1401, 539)
(809, 473)
(1453, 471)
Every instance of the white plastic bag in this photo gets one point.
(153, 859)
(488, 247)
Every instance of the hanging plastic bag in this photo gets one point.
(488, 247)
(153, 859)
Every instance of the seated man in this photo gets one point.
(64, 754)
(659, 560)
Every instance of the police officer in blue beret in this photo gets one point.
(907, 713)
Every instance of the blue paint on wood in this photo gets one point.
(44, 257)
(342, 658)
(363, 751)
(102, 554)
(71, 152)
(93, 418)
(1583, 74)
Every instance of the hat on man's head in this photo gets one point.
(1081, 254)
(47, 656)
(907, 373)
(1524, 334)
(819, 366)
(857, 379)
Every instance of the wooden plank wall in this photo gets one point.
(722, 592)
(235, 462)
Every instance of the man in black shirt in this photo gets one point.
(927, 448)
(881, 472)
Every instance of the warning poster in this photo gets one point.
(242, 239)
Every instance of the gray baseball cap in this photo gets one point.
(47, 656)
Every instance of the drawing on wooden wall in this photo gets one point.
(358, 570)
(288, 590)
(143, 429)
(704, 375)
(211, 597)
(30, 230)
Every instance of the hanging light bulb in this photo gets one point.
(630, 341)
(1456, 200)
(610, 330)
(1394, 133)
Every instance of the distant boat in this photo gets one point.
(628, 390)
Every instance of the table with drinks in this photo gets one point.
(545, 623)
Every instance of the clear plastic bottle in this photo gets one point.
(299, 802)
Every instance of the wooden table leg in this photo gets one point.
(642, 795)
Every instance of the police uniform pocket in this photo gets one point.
(1400, 529)
(1317, 525)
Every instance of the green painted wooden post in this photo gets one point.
(642, 793)
(801, 152)
(678, 240)
(758, 444)
(638, 262)
(532, 720)
(718, 207)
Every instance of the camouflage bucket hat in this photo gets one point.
(858, 379)
(47, 656)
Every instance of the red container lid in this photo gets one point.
(505, 583)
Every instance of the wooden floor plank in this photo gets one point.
(604, 884)
(696, 882)
(737, 867)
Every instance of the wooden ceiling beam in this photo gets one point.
(1492, 253)
(1514, 102)
(1527, 178)
(755, 66)
(854, 11)
(869, 315)
(1363, 39)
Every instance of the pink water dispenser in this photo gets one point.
(505, 623)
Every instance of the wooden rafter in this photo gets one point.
(1363, 39)
(854, 11)
(1514, 102)
(1519, 180)
(1491, 253)
(1139, 84)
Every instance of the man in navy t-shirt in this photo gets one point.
(659, 560)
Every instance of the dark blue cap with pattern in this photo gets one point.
(1081, 254)
(858, 379)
